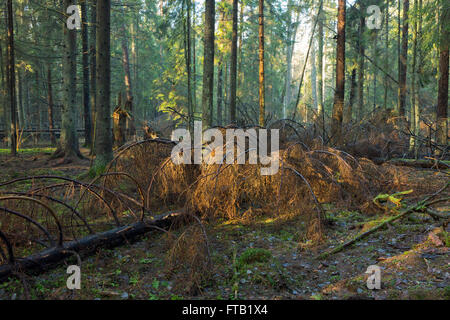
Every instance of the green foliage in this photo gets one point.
(253, 255)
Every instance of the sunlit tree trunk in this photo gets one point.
(338, 106)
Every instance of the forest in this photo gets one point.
(224, 150)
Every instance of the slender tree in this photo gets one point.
(86, 92)
(11, 78)
(50, 105)
(208, 63)
(233, 66)
(338, 106)
(403, 62)
(361, 57)
(262, 105)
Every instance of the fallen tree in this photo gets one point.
(45, 260)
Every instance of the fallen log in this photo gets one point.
(45, 260)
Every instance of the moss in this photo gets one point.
(253, 255)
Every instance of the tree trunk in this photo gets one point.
(130, 129)
(187, 40)
(403, 62)
(86, 92)
(320, 110)
(219, 92)
(233, 80)
(349, 110)
(241, 27)
(208, 64)
(338, 106)
(386, 55)
(313, 78)
(261, 65)
(291, 34)
(50, 105)
(414, 75)
(68, 147)
(361, 49)
(442, 104)
(12, 79)
(93, 69)
(103, 141)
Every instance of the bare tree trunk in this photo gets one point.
(241, 26)
(130, 129)
(291, 34)
(233, 66)
(320, 110)
(86, 92)
(414, 75)
(442, 104)
(403, 62)
(93, 69)
(261, 65)
(188, 53)
(386, 54)
(219, 92)
(338, 106)
(50, 105)
(103, 141)
(11, 79)
(349, 110)
(208, 64)
(361, 50)
(313, 78)
(68, 147)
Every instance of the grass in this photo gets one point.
(29, 151)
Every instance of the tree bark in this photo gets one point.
(338, 106)
(103, 139)
(86, 91)
(233, 67)
(349, 110)
(93, 68)
(208, 64)
(50, 105)
(442, 103)
(68, 144)
(261, 65)
(403, 62)
(361, 49)
(12, 79)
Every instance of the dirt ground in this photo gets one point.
(266, 259)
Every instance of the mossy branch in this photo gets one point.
(419, 206)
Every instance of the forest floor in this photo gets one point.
(265, 259)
